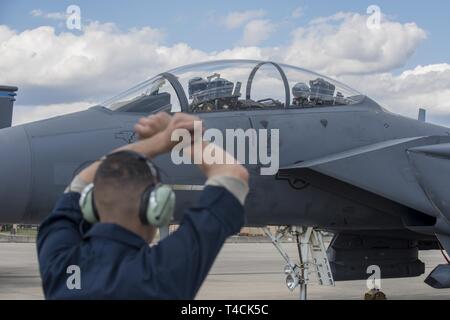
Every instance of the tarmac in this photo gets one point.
(242, 271)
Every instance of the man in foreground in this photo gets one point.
(125, 200)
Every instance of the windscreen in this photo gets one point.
(235, 84)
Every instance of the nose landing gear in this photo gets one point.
(374, 294)
(312, 258)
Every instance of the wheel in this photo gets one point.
(374, 294)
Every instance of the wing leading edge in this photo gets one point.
(401, 170)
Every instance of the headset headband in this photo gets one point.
(138, 156)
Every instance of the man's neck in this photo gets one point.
(132, 226)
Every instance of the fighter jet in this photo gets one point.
(378, 181)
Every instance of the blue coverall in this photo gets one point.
(115, 263)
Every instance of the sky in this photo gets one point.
(403, 64)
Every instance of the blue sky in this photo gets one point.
(404, 65)
(195, 22)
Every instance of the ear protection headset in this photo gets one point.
(157, 202)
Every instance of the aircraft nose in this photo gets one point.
(15, 174)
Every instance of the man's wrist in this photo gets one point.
(235, 186)
(151, 147)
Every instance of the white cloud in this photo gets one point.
(342, 44)
(238, 18)
(424, 86)
(100, 61)
(56, 15)
(256, 31)
(424, 70)
(103, 59)
(24, 114)
(5, 35)
(64, 70)
(297, 12)
(49, 15)
(36, 12)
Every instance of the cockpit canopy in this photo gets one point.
(233, 85)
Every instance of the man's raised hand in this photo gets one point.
(151, 125)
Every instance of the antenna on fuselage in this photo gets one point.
(422, 115)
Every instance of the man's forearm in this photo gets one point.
(150, 147)
(228, 166)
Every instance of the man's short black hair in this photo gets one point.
(120, 179)
(124, 167)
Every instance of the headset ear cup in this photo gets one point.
(87, 204)
(161, 206)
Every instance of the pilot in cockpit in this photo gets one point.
(213, 93)
(319, 93)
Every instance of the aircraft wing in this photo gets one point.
(432, 166)
(411, 171)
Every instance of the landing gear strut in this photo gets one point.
(312, 258)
